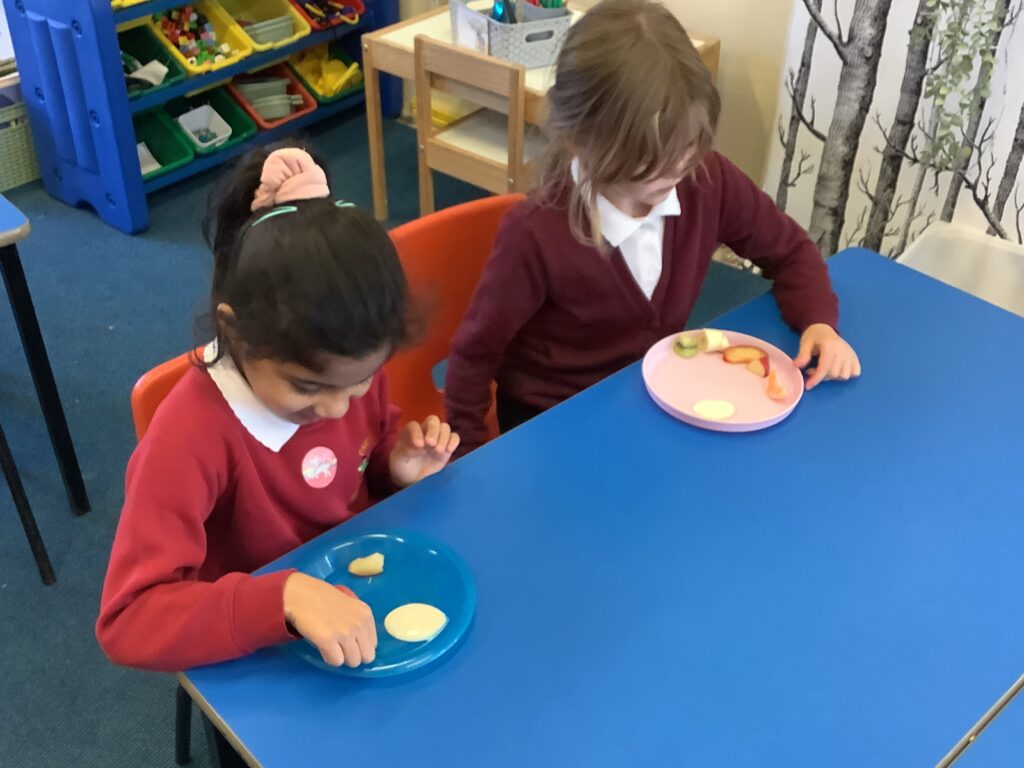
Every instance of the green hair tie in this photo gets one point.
(282, 209)
(275, 212)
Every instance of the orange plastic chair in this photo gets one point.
(443, 255)
(153, 386)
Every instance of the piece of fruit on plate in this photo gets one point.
(687, 344)
(776, 388)
(711, 340)
(754, 358)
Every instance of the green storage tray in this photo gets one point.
(141, 43)
(242, 126)
(335, 52)
(165, 140)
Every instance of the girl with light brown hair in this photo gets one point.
(609, 253)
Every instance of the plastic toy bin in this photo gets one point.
(320, 24)
(165, 141)
(259, 11)
(294, 88)
(224, 27)
(141, 43)
(242, 126)
(333, 51)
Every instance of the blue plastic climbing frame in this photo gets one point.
(70, 67)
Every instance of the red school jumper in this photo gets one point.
(206, 503)
(550, 316)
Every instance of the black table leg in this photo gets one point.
(182, 727)
(28, 520)
(42, 377)
(222, 754)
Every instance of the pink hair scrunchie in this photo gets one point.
(288, 175)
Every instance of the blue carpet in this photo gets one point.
(110, 307)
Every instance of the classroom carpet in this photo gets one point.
(112, 306)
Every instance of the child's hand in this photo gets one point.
(422, 450)
(339, 625)
(836, 358)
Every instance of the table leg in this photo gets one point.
(42, 377)
(375, 129)
(28, 520)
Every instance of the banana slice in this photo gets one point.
(415, 622)
(713, 341)
(716, 410)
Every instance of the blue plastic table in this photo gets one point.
(841, 590)
(14, 227)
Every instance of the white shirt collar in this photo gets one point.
(616, 226)
(260, 422)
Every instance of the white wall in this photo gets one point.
(753, 35)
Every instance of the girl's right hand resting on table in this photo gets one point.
(339, 625)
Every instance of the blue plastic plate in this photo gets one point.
(417, 569)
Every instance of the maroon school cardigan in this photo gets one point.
(551, 316)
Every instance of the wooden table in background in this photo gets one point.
(390, 51)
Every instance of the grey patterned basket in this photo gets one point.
(530, 43)
(18, 163)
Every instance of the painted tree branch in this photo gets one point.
(1019, 207)
(798, 110)
(837, 42)
(860, 53)
(976, 110)
(1011, 169)
(798, 93)
(914, 73)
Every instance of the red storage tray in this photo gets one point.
(319, 25)
(295, 87)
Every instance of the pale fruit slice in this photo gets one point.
(415, 622)
(715, 410)
(371, 565)
(712, 340)
(686, 344)
(776, 388)
(761, 366)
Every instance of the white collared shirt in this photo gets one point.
(640, 240)
(260, 422)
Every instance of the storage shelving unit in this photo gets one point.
(70, 67)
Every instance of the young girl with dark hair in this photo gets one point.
(281, 431)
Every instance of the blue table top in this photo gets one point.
(13, 224)
(842, 589)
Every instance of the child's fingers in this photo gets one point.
(330, 651)
(353, 656)
(453, 442)
(856, 365)
(824, 366)
(803, 357)
(415, 432)
(444, 433)
(432, 428)
(367, 649)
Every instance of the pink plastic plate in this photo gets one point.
(677, 383)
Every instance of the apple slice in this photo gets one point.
(776, 389)
(743, 354)
(760, 366)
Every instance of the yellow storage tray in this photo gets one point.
(227, 31)
(262, 10)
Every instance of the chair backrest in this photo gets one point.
(153, 386)
(484, 80)
(443, 255)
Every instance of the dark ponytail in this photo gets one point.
(319, 279)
